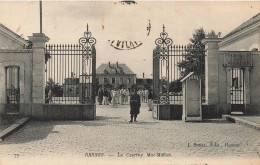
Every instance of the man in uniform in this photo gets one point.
(135, 105)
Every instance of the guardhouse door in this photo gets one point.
(193, 98)
(237, 90)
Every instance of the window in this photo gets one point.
(129, 80)
(106, 80)
(12, 85)
(113, 80)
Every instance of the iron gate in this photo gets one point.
(12, 89)
(168, 68)
(237, 90)
(70, 72)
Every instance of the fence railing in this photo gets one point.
(68, 75)
(173, 66)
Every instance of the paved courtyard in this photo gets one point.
(111, 135)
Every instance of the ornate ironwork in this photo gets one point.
(163, 42)
(87, 42)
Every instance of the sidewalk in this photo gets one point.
(248, 121)
(10, 129)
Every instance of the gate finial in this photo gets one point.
(87, 42)
(163, 42)
(163, 28)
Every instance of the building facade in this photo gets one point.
(115, 75)
(232, 70)
(22, 79)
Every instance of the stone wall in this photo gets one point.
(21, 58)
(67, 112)
(31, 63)
(218, 81)
(254, 106)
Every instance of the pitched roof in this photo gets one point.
(12, 33)
(244, 25)
(114, 69)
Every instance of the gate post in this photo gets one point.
(38, 73)
(229, 86)
(156, 73)
(156, 80)
(246, 88)
(212, 72)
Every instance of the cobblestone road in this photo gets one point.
(111, 133)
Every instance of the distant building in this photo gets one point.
(116, 74)
(71, 87)
(243, 38)
(144, 82)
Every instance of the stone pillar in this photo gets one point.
(229, 86)
(38, 72)
(212, 72)
(156, 73)
(246, 88)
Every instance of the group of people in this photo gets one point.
(143, 93)
(121, 96)
(114, 96)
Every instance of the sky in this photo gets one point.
(64, 22)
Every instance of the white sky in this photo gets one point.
(65, 23)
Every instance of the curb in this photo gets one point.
(241, 122)
(8, 131)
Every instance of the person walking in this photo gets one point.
(126, 96)
(50, 96)
(140, 94)
(146, 93)
(143, 96)
(135, 105)
(114, 98)
(105, 97)
(150, 100)
(122, 96)
(118, 95)
(100, 96)
(109, 96)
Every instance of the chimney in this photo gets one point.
(109, 63)
(143, 74)
(117, 64)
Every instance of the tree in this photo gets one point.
(195, 58)
(55, 88)
(175, 86)
(147, 85)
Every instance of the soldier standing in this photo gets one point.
(135, 105)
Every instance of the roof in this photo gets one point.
(12, 33)
(114, 69)
(244, 25)
(190, 74)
